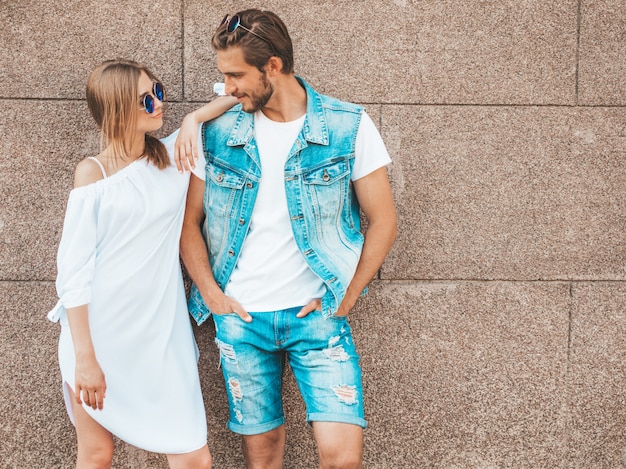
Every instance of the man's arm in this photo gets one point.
(195, 256)
(376, 200)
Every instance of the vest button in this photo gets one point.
(241, 221)
(231, 252)
(249, 185)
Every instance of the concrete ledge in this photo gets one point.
(34, 426)
(479, 368)
(50, 47)
(530, 193)
(415, 52)
(602, 74)
(597, 397)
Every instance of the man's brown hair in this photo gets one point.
(269, 38)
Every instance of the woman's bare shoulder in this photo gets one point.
(87, 172)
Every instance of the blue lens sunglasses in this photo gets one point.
(147, 102)
(235, 22)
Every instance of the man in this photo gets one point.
(272, 242)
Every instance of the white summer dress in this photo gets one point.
(119, 253)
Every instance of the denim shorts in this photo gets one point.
(322, 357)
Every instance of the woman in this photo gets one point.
(127, 353)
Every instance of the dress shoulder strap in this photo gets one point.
(104, 173)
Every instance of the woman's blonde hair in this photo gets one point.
(112, 98)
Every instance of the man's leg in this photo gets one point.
(252, 364)
(325, 364)
(340, 445)
(265, 451)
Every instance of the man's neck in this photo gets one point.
(288, 102)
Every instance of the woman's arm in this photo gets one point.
(186, 146)
(89, 377)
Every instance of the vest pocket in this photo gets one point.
(328, 187)
(224, 186)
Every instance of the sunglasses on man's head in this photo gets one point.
(147, 102)
(232, 23)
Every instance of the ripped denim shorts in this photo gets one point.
(320, 352)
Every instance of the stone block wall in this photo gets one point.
(495, 333)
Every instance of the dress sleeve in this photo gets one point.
(76, 257)
(200, 169)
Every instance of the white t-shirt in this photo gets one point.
(271, 274)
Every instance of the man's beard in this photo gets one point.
(258, 101)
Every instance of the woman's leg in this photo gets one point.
(95, 443)
(199, 459)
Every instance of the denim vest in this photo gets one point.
(320, 198)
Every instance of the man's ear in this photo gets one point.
(274, 66)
